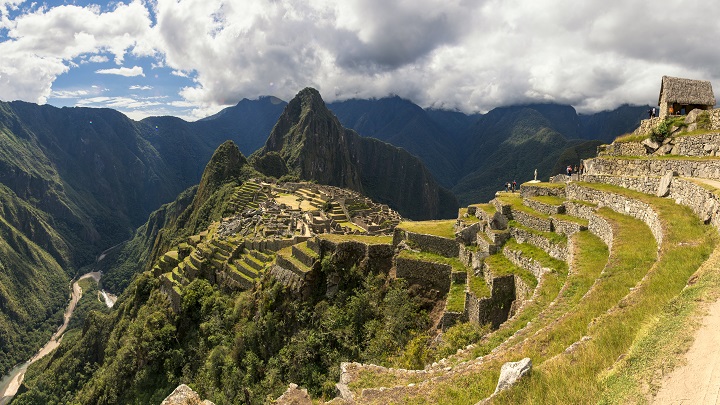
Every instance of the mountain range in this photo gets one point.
(77, 181)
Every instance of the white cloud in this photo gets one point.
(69, 93)
(122, 71)
(467, 54)
(95, 59)
(43, 43)
(137, 87)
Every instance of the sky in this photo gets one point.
(191, 58)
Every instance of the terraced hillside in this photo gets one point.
(596, 279)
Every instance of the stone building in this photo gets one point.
(680, 96)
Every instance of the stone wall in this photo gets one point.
(433, 276)
(533, 190)
(621, 204)
(701, 201)
(532, 221)
(566, 227)
(622, 149)
(428, 243)
(709, 169)
(467, 234)
(555, 250)
(697, 145)
(471, 257)
(547, 209)
(494, 309)
(517, 258)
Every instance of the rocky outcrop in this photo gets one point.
(184, 395)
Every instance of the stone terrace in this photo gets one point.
(525, 249)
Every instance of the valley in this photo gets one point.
(10, 382)
(302, 263)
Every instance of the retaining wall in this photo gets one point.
(428, 243)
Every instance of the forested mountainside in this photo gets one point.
(218, 335)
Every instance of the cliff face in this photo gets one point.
(315, 146)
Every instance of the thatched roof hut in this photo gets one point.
(680, 96)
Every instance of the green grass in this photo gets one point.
(488, 208)
(478, 286)
(371, 240)
(500, 266)
(569, 218)
(456, 298)
(433, 258)
(547, 185)
(444, 228)
(305, 249)
(630, 138)
(517, 205)
(687, 244)
(538, 255)
(548, 199)
(555, 238)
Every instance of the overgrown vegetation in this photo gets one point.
(667, 127)
(229, 347)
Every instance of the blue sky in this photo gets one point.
(190, 58)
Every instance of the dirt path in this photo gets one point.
(698, 381)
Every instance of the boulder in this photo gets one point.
(184, 395)
(664, 185)
(511, 372)
(652, 146)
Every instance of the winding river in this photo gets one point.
(11, 382)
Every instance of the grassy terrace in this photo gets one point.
(618, 320)
(538, 255)
(456, 298)
(556, 238)
(546, 184)
(582, 377)
(548, 199)
(433, 258)
(488, 208)
(501, 266)
(478, 286)
(639, 138)
(372, 240)
(550, 334)
(437, 228)
(564, 217)
(515, 201)
(305, 249)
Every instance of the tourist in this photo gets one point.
(569, 170)
(514, 186)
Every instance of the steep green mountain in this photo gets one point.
(315, 146)
(33, 285)
(187, 146)
(404, 124)
(190, 213)
(509, 144)
(606, 125)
